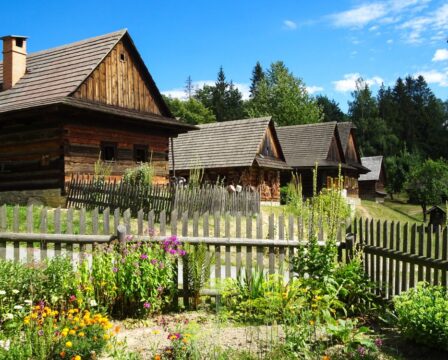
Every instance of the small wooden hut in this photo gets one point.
(437, 216)
(372, 186)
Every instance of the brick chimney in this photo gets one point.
(14, 59)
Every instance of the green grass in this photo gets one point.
(396, 210)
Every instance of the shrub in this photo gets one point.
(133, 279)
(142, 175)
(422, 315)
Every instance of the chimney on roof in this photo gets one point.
(14, 59)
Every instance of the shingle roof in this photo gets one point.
(57, 72)
(373, 163)
(303, 145)
(222, 144)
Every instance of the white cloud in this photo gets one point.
(359, 16)
(179, 93)
(289, 24)
(314, 89)
(348, 83)
(435, 77)
(440, 55)
(390, 41)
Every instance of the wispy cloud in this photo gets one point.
(435, 77)
(180, 93)
(440, 55)
(348, 83)
(359, 16)
(314, 89)
(289, 25)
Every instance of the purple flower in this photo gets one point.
(129, 237)
(361, 351)
(151, 232)
(146, 305)
(115, 269)
(172, 251)
(378, 342)
(154, 261)
(40, 332)
(143, 256)
(182, 252)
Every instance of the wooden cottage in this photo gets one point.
(306, 145)
(437, 216)
(62, 108)
(372, 186)
(240, 152)
(355, 168)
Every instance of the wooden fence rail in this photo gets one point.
(397, 256)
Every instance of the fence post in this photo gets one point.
(121, 235)
(349, 241)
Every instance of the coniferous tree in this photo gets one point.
(257, 76)
(331, 110)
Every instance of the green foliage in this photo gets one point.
(398, 168)
(141, 175)
(330, 109)
(283, 96)
(422, 315)
(192, 111)
(223, 99)
(131, 279)
(198, 264)
(427, 184)
(196, 176)
(102, 168)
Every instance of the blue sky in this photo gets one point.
(326, 43)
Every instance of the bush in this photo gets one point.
(131, 280)
(422, 315)
(142, 175)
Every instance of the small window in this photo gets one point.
(140, 153)
(122, 57)
(19, 43)
(109, 151)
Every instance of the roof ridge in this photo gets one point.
(79, 42)
(311, 124)
(230, 122)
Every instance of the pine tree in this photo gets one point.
(257, 76)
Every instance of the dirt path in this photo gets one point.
(363, 211)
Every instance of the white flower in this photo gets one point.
(28, 302)
(5, 344)
(15, 291)
(93, 303)
(8, 316)
(18, 307)
(2, 292)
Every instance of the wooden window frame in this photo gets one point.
(104, 152)
(138, 147)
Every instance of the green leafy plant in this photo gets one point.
(102, 168)
(422, 315)
(197, 263)
(142, 175)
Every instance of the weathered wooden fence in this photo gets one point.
(213, 199)
(397, 256)
(91, 193)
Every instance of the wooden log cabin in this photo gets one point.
(62, 108)
(305, 146)
(372, 186)
(240, 152)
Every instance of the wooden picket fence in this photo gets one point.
(397, 256)
(86, 191)
(214, 198)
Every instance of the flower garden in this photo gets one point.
(55, 310)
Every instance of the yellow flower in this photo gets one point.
(106, 336)
(157, 357)
(68, 344)
(311, 322)
(72, 332)
(155, 332)
(77, 357)
(81, 334)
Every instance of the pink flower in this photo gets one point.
(146, 305)
(143, 256)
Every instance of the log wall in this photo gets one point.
(31, 154)
(82, 145)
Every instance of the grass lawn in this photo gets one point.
(396, 210)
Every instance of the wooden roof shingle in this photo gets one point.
(222, 144)
(374, 164)
(304, 145)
